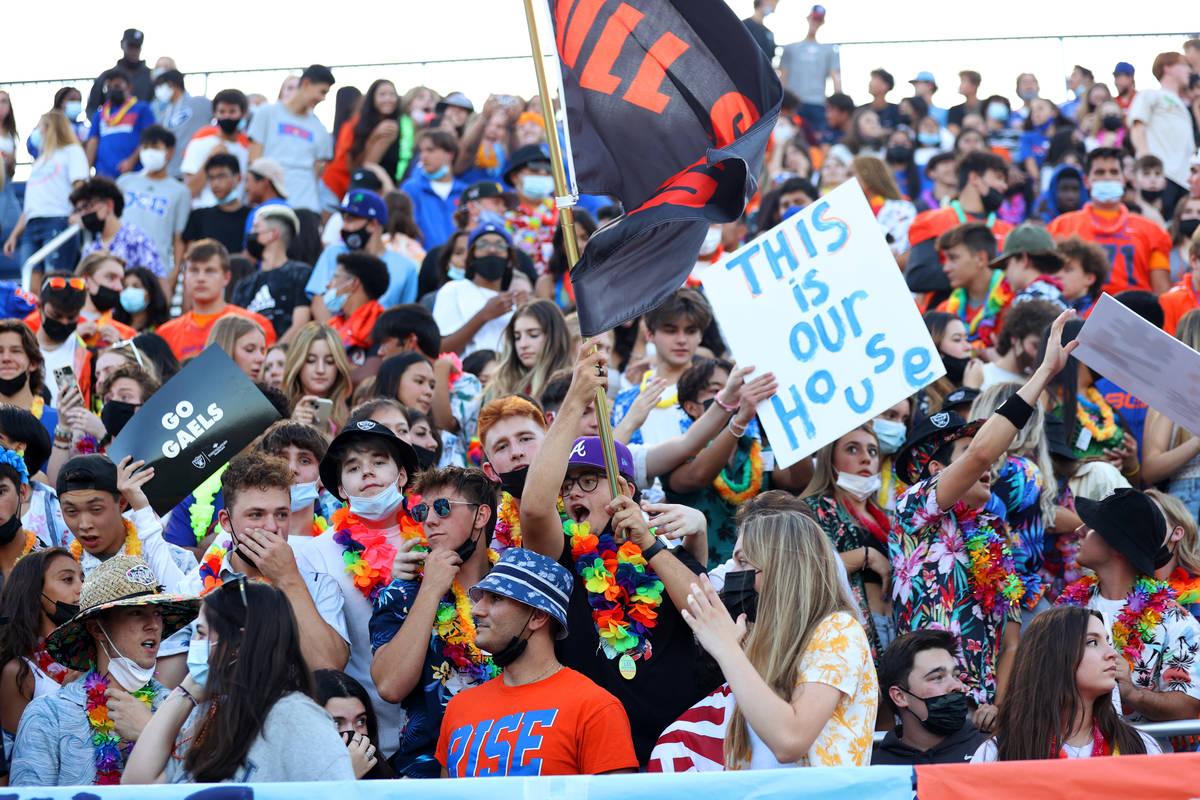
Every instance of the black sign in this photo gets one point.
(192, 426)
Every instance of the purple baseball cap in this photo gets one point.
(589, 452)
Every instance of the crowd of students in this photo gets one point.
(446, 579)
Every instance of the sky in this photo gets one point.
(264, 39)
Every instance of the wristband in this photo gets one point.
(187, 695)
(729, 408)
(733, 426)
(653, 550)
(1016, 411)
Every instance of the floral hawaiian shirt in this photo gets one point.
(1019, 487)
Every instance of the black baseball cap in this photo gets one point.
(366, 431)
(133, 36)
(927, 437)
(482, 190)
(363, 178)
(962, 396)
(91, 472)
(1130, 522)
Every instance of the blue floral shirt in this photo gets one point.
(135, 246)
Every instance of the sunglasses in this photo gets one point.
(441, 507)
(128, 343)
(59, 282)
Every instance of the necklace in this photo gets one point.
(623, 593)
(982, 326)
(1142, 613)
(1187, 588)
(667, 400)
(749, 483)
(31, 541)
(993, 575)
(1099, 744)
(132, 546)
(508, 524)
(110, 754)
(454, 636)
(37, 406)
(210, 565)
(367, 553)
(1090, 404)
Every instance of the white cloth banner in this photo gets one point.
(819, 301)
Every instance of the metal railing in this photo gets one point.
(43, 252)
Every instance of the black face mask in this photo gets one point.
(9, 530)
(904, 119)
(228, 126)
(513, 481)
(947, 713)
(426, 457)
(955, 367)
(1188, 227)
(63, 612)
(1163, 557)
(739, 595)
(491, 268)
(899, 154)
(58, 331)
(116, 96)
(356, 240)
(513, 650)
(992, 199)
(1152, 196)
(10, 386)
(116, 414)
(92, 222)
(105, 299)
(254, 247)
(1112, 122)
(467, 548)
(242, 553)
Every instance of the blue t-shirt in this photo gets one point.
(1131, 410)
(119, 140)
(402, 288)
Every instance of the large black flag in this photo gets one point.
(670, 105)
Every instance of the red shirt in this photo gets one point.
(1134, 244)
(563, 725)
(355, 329)
(187, 334)
(1176, 302)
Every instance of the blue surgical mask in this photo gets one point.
(929, 139)
(37, 139)
(197, 660)
(537, 187)
(73, 109)
(378, 507)
(303, 495)
(455, 273)
(891, 435)
(333, 300)
(1107, 191)
(997, 112)
(438, 174)
(134, 299)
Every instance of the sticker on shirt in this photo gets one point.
(144, 201)
(504, 746)
(288, 129)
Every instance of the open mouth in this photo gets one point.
(150, 646)
(578, 512)
(88, 541)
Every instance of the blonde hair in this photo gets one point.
(228, 329)
(298, 354)
(1178, 514)
(824, 478)
(876, 176)
(800, 588)
(513, 377)
(59, 133)
(1030, 442)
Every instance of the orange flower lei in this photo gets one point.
(751, 484)
(133, 545)
(1107, 429)
(30, 542)
(508, 524)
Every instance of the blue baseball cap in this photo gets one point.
(1123, 68)
(926, 76)
(588, 451)
(532, 579)
(489, 223)
(364, 203)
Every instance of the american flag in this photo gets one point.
(696, 741)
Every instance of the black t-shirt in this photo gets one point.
(956, 113)
(227, 227)
(762, 36)
(664, 686)
(274, 293)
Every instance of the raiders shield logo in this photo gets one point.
(940, 419)
(366, 425)
(200, 461)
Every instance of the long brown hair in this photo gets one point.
(937, 322)
(255, 661)
(297, 354)
(1042, 704)
(800, 588)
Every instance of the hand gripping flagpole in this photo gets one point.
(565, 200)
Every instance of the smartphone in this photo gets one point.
(324, 408)
(65, 376)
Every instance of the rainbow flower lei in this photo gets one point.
(367, 553)
(736, 491)
(1187, 588)
(984, 324)
(454, 634)
(110, 755)
(993, 574)
(1142, 613)
(508, 524)
(210, 565)
(623, 592)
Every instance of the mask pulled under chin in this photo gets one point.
(859, 487)
(379, 506)
(125, 671)
(513, 481)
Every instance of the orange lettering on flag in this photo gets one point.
(597, 72)
(644, 89)
(732, 115)
(685, 188)
(570, 41)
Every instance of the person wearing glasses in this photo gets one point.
(59, 303)
(411, 666)
(472, 313)
(256, 717)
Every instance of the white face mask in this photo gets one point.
(164, 93)
(712, 240)
(378, 507)
(857, 486)
(153, 160)
(126, 671)
(303, 495)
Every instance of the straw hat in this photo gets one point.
(119, 581)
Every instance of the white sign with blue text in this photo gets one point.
(819, 301)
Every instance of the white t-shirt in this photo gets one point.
(457, 302)
(1168, 130)
(993, 374)
(987, 751)
(51, 180)
(196, 155)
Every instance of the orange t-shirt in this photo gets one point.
(1180, 299)
(187, 334)
(105, 320)
(563, 725)
(1134, 244)
(355, 329)
(936, 221)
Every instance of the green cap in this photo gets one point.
(1027, 238)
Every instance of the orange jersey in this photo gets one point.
(1135, 245)
(187, 334)
(936, 221)
(1181, 299)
